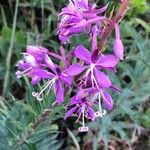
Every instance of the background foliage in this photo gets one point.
(28, 125)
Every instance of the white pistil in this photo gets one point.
(48, 85)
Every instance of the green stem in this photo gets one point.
(10, 50)
(3, 16)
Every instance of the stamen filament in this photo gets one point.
(83, 123)
(20, 74)
(48, 84)
(99, 101)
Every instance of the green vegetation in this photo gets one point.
(26, 124)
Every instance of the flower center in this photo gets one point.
(92, 66)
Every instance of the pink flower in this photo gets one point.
(79, 16)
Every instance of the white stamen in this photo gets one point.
(92, 66)
(99, 101)
(48, 85)
(19, 74)
(83, 128)
(83, 123)
(101, 111)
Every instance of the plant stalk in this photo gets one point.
(10, 50)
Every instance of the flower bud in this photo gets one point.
(118, 48)
(118, 45)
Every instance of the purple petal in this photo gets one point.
(74, 69)
(66, 11)
(102, 79)
(81, 4)
(67, 79)
(82, 93)
(70, 112)
(44, 74)
(36, 50)
(91, 113)
(49, 63)
(77, 28)
(95, 20)
(107, 100)
(35, 80)
(59, 92)
(82, 53)
(100, 10)
(74, 100)
(108, 61)
(29, 59)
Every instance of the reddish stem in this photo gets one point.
(120, 13)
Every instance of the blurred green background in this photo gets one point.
(28, 125)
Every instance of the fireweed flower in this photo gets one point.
(79, 16)
(56, 81)
(31, 64)
(91, 66)
(118, 45)
(82, 107)
(37, 65)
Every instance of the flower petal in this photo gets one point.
(74, 69)
(36, 50)
(29, 59)
(74, 101)
(100, 10)
(77, 28)
(91, 113)
(108, 61)
(107, 100)
(82, 93)
(70, 112)
(82, 53)
(67, 79)
(35, 80)
(102, 79)
(49, 63)
(59, 92)
(43, 74)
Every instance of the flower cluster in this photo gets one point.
(87, 78)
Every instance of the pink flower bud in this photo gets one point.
(118, 45)
(118, 48)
